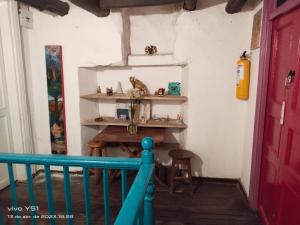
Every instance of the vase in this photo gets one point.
(132, 128)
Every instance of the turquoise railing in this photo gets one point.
(137, 203)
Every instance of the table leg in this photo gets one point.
(97, 153)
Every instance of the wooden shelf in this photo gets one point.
(96, 97)
(111, 121)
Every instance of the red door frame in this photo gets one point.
(270, 12)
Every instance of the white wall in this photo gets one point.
(212, 41)
(153, 26)
(86, 41)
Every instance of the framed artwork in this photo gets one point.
(256, 30)
(122, 110)
(55, 86)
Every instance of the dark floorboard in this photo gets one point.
(213, 203)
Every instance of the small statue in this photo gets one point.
(160, 92)
(109, 91)
(135, 93)
(119, 89)
(139, 88)
(99, 89)
(151, 50)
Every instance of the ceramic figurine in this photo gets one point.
(109, 91)
(174, 88)
(99, 89)
(134, 93)
(160, 92)
(151, 50)
(139, 88)
(119, 89)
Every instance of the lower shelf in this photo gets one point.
(111, 121)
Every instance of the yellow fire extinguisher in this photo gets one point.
(243, 77)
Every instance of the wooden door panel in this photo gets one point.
(280, 59)
(295, 99)
(2, 99)
(268, 190)
(292, 158)
(272, 138)
(275, 192)
(4, 147)
(5, 127)
(289, 213)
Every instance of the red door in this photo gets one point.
(279, 199)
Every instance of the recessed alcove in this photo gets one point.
(154, 77)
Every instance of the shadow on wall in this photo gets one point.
(197, 164)
(207, 4)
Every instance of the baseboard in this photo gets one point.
(217, 180)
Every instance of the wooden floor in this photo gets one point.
(213, 203)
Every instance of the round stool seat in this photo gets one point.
(95, 144)
(181, 154)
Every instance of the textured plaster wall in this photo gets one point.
(153, 26)
(211, 41)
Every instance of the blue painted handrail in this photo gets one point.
(137, 203)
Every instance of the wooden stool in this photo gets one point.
(96, 150)
(180, 157)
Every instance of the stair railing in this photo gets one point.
(137, 204)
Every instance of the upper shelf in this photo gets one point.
(159, 60)
(126, 97)
(154, 60)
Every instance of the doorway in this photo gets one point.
(5, 125)
(15, 126)
(279, 191)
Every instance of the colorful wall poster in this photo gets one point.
(55, 87)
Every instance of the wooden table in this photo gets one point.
(120, 136)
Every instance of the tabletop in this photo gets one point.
(112, 134)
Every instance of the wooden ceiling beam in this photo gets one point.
(234, 6)
(190, 5)
(101, 8)
(134, 3)
(92, 6)
(55, 6)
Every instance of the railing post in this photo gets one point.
(148, 160)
